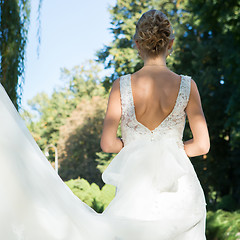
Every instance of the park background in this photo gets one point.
(60, 58)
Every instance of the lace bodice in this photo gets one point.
(171, 127)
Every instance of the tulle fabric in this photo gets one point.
(158, 194)
(156, 183)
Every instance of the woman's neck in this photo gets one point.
(159, 61)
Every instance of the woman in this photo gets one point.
(158, 194)
(151, 104)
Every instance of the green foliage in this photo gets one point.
(91, 194)
(71, 119)
(80, 140)
(209, 47)
(206, 48)
(223, 225)
(14, 23)
(48, 114)
(227, 203)
(103, 160)
(84, 81)
(120, 55)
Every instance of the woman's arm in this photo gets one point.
(200, 143)
(109, 141)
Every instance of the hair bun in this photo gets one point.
(153, 32)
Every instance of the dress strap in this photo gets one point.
(185, 91)
(125, 93)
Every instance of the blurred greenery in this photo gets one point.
(71, 119)
(222, 225)
(92, 195)
(48, 114)
(80, 140)
(14, 24)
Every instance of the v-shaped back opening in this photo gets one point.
(167, 117)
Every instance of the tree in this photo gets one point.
(72, 109)
(13, 28)
(14, 23)
(210, 49)
(120, 54)
(48, 114)
(80, 140)
(206, 48)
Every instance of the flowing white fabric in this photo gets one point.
(158, 194)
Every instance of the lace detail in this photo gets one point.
(172, 126)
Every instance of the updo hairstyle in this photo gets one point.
(153, 33)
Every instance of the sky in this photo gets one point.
(71, 33)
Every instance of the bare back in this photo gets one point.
(154, 93)
(146, 101)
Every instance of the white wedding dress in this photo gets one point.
(158, 196)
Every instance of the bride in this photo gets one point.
(159, 196)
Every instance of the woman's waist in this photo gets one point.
(154, 137)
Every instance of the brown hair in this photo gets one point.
(153, 32)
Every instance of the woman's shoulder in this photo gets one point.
(138, 75)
